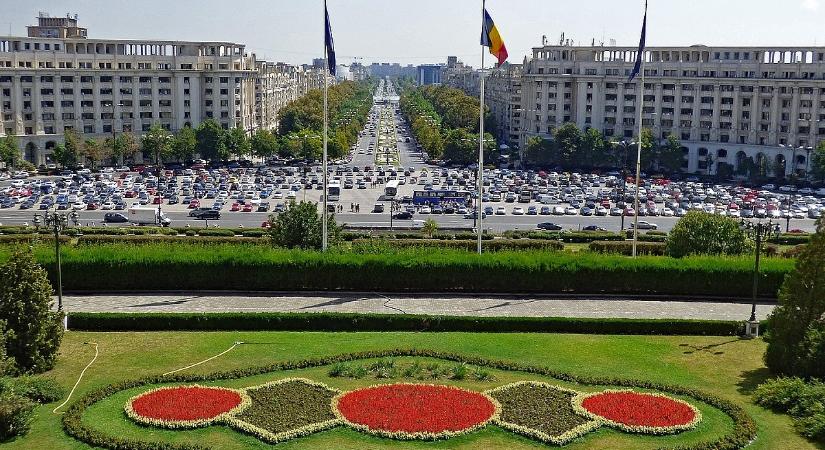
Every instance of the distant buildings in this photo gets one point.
(429, 74)
(57, 79)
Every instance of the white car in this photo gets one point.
(78, 206)
(667, 212)
(644, 225)
(107, 206)
(570, 211)
(500, 211)
(518, 211)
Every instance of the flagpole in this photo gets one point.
(639, 149)
(324, 231)
(480, 203)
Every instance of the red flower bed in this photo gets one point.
(414, 410)
(185, 403)
(639, 410)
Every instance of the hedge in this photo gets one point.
(743, 432)
(468, 245)
(791, 239)
(564, 236)
(395, 322)
(155, 239)
(168, 266)
(626, 248)
(28, 238)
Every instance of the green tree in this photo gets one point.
(9, 151)
(121, 147)
(700, 233)
(817, 163)
(68, 154)
(300, 226)
(461, 147)
(156, 143)
(184, 144)
(669, 155)
(648, 155)
(264, 144)
(33, 331)
(568, 140)
(94, 152)
(593, 151)
(209, 135)
(237, 144)
(796, 328)
(430, 227)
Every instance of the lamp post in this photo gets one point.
(57, 222)
(625, 145)
(759, 233)
(166, 140)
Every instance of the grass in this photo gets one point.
(728, 367)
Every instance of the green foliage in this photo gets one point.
(540, 152)
(626, 248)
(184, 144)
(124, 145)
(791, 239)
(700, 233)
(817, 167)
(210, 139)
(94, 152)
(669, 155)
(157, 143)
(796, 341)
(9, 151)
(68, 153)
(237, 144)
(804, 401)
(396, 322)
(430, 227)
(36, 389)
(16, 415)
(378, 246)
(264, 144)
(33, 331)
(300, 226)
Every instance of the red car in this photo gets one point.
(157, 200)
(194, 204)
(247, 207)
(235, 207)
(92, 206)
(266, 225)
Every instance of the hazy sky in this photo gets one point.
(426, 31)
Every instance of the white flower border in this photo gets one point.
(424, 436)
(186, 424)
(561, 439)
(697, 415)
(275, 438)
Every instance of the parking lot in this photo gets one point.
(245, 193)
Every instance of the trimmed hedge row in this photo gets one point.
(155, 239)
(396, 322)
(28, 238)
(791, 239)
(626, 248)
(564, 236)
(744, 428)
(468, 245)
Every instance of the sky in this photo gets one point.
(427, 31)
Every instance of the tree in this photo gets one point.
(796, 328)
(429, 228)
(68, 154)
(209, 136)
(300, 226)
(700, 233)
(237, 144)
(264, 144)
(184, 144)
(817, 163)
(460, 147)
(9, 152)
(568, 141)
(94, 151)
(33, 331)
(593, 150)
(648, 155)
(121, 147)
(539, 151)
(670, 156)
(156, 142)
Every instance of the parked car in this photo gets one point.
(549, 226)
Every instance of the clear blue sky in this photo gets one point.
(426, 31)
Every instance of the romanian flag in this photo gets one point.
(490, 38)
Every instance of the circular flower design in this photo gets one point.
(185, 406)
(415, 411)
(639, 412)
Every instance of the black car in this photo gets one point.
(549, 226)
(593, 228)
(114, 218)
(403, 215)
(263, 207)
(205, 213)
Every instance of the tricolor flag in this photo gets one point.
(641, 52)
(330, 46)
(490, 38)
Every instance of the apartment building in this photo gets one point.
(502, 95)
(57, 79)
(724, 103)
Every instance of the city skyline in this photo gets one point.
(285, 31)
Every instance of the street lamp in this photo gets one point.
(759, 233)
(624, 145)
(57, 222)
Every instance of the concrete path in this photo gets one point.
(483, 305)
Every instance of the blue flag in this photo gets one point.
(330, 46)
(640, 54)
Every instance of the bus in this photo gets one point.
(334, 191)
(436, 197)
(391, 189)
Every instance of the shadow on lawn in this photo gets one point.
(749, 380)
(710, 348)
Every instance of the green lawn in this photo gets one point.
(724, 366)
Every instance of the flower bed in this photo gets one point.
(541, 411)
(286, 409)
(185, 406)
(415, 411)
(638, 412)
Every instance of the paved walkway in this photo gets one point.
(484, 305)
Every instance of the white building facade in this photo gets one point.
(56, 79)
(724, 103)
